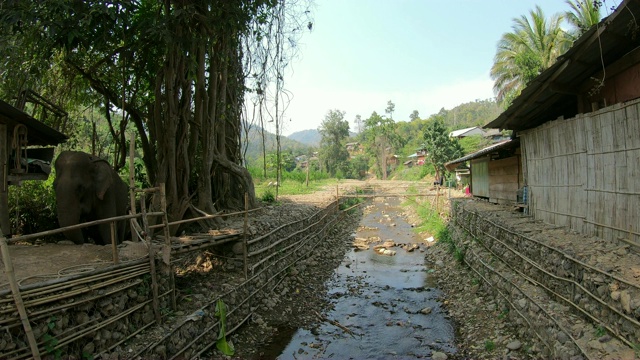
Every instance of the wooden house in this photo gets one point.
(23, 153)
(496, 171)
(579, 127)
(472, 131)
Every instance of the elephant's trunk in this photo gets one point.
(70, 216)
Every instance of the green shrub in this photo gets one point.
(268, 196)
(32, 207)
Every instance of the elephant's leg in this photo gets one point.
(105, 234)
(75, 236)
(69, 218)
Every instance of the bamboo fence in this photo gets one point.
(92, 313)
(536, 262)
(584, 172)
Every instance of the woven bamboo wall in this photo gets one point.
(584, 172)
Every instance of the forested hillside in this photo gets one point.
(254, 146)
(309, 137)
(475, 113)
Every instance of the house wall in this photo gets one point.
(480, 177)
(622, 84)
(505, 178)
(584, 172)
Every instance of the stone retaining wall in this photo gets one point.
(108, 313)
(565, 303)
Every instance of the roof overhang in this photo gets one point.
(553, 94)
(38, 132)
(451, 165)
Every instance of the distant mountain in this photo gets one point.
(308, 137)
(254, 148)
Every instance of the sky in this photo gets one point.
(421, 54)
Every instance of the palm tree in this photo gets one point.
(583, 15)
(532, 46)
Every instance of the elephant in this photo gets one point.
(87, 188)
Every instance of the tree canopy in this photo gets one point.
(334, 130)
(440, 148)
(531, 47)
(177, 71)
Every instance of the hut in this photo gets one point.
(495, 171)
(579, 127)
(25, 153)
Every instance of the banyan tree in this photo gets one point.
(177, 70)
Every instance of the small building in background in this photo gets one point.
(472, 131)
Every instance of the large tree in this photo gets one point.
(439, 146)
(380, 139)
(334, 131)
(177, 69)
(531, 47)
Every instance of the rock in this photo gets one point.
(430, 239)
(615, 295)
(437, 355)
(625, 301)
(514, 345)
(88, 349)
(238, 248)
(426, 311)
(522, 303)
(439, 263)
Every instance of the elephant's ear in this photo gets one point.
(102, 177)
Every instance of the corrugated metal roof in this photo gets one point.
(546, 97)
(489, 149)
(39, 133)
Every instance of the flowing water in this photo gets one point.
(384, 306)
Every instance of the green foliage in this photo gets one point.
(601, 331)
(440, 148)
(489, 345)
(380, 140)
(50, 341)
(32, 206)
(268, 196)
(582, 16)
(531, 47)
(503, 314)
(471, 144)
(334, 130)
(222, 344)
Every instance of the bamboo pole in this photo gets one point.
(166, 250)
(17, 297)
(114, 242)
(152, 262)
(244, 235)
(132, 184)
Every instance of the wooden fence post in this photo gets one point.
(132, 184)
(244, 236)
(152, 261)
(17, 297)
(114, 242)
(166, 249)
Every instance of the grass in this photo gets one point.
(489, 345)
(289, 187)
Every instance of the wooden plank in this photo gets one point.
(5, 228)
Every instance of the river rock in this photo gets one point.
(625, 301)
(437, 355)
(514, 345)
(426, 311)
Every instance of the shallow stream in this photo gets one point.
(384, 306)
